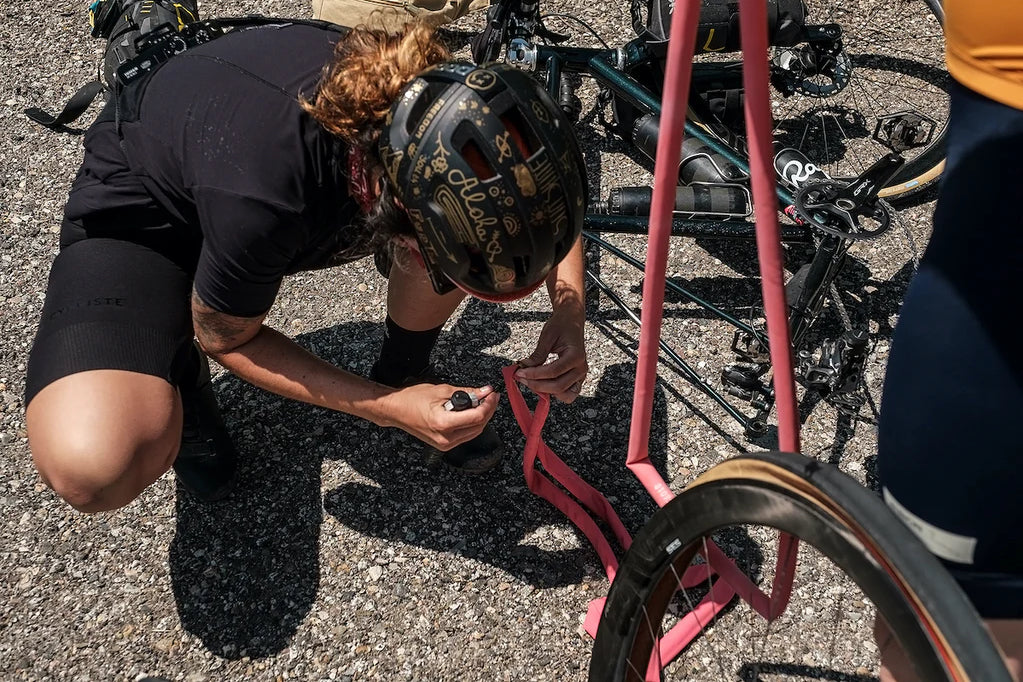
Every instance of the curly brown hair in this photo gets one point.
(370, 69)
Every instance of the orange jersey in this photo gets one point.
(984, 44)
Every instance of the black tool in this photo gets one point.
(461, 400)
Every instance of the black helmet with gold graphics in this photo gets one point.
(490, 173)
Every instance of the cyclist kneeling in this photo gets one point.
(270, 151)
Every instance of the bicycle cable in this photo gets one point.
(593, 31)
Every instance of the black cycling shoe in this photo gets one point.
(207, 462)
(479, 455)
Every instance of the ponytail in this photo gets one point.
(370, 69)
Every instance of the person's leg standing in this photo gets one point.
(949, 459)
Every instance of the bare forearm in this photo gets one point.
(268, 359)
(274, 362)
(566, 283)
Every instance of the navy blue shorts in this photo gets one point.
(949, 458)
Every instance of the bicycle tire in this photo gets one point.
(930, 615)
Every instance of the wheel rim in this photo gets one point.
(740, 644)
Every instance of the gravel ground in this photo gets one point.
(344, 553)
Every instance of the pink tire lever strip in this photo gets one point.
(585, 497)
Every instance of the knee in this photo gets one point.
(89, 474)
(98, 438)
(85, 496)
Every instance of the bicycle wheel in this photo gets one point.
(881, 86)
(744, 502)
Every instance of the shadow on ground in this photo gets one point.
(245, 571)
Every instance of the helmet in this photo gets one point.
(490, 173)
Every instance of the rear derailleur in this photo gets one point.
(835, 373)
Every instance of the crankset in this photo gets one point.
(849, 210)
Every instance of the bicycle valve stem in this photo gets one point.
(461, 400)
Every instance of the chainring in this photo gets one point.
(823, 206)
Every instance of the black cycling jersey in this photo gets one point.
(218, 143)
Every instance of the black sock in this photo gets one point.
(405, 353)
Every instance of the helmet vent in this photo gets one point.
(477, 160)
(523, 134)
(418, 110)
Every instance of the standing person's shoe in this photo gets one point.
(476, 456)
(207, 462)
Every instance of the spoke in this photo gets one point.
(640, 675)
(860, 165)
(824, 131)
(802, 140)
(653, 638)
(887, 84)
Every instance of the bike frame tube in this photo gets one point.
(602, 66)
(681, 291)
(609, 68)
(683, 367)
(824, 265)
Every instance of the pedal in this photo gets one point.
(904, 130)
(746, 377)
(749, 349)
(744, 381)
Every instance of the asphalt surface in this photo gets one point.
(345, 554)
